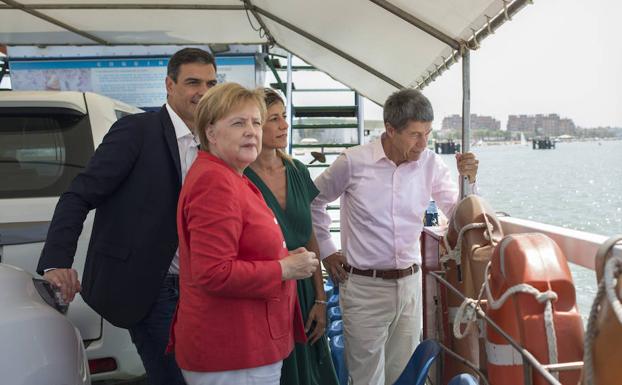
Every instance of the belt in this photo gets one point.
(385, 274)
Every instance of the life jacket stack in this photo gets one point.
(531, 296)
(472, 235)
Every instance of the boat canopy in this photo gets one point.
(373, 46)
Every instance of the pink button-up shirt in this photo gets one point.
(382, 205)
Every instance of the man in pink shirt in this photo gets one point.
(384, 188)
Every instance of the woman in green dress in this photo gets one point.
(288, 190)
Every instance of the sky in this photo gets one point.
(554, 56)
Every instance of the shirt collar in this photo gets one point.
(378, 150)
(181, 129)
(378, 153)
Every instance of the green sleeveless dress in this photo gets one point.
(307, 364)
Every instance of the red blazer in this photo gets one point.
(234, 310)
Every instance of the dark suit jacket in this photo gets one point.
(133, 181)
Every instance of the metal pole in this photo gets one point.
(288, 107)
(466, 114)
(360, 118)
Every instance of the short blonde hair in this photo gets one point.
(220, 101)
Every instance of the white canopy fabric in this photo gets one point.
(373, 46)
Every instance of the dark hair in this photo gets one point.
(407, 105)
(271, 97)
(186, 56)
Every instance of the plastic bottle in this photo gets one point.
(431, 214)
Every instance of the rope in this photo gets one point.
(547, 297)
(467, 313)
(613, 267)
(606, 287)
(455, 253)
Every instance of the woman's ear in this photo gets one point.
(210, 134)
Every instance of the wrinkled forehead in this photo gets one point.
(417, 126)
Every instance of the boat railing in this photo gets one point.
(579, 247)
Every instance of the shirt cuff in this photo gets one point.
(327, 247)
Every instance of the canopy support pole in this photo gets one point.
(360, 117)
(288, 106)
(466, 114)
(425, 27)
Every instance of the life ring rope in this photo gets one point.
(547, 297)
(455, 253)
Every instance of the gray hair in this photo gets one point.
(407, 105)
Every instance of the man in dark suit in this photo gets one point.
(133, 181)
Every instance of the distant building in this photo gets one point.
(541, 125)
(454, 123)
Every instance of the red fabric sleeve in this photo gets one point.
(214, 220)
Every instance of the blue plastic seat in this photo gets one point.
(329, 287)
(335, 288)
(334, 314)
(335, 328)
(419, 364)
(339, 360)
(463, 379)
(333, 300)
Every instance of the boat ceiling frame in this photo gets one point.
(510, 8)
(460, 48)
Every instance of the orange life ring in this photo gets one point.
(472, 234)
(529, 283)
(605, 327)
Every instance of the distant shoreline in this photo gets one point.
(528, 144)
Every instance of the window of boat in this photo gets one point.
(41, 150)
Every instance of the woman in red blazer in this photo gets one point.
(237, 316)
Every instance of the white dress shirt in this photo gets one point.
(188, 149)
(382, 205)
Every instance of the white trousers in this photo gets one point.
(382, 326)
(262, 375)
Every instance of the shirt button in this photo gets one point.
(284, 244)
(275, 221)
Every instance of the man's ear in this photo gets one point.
(390, 130)
(169, 84)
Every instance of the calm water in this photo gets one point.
(577, 185)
